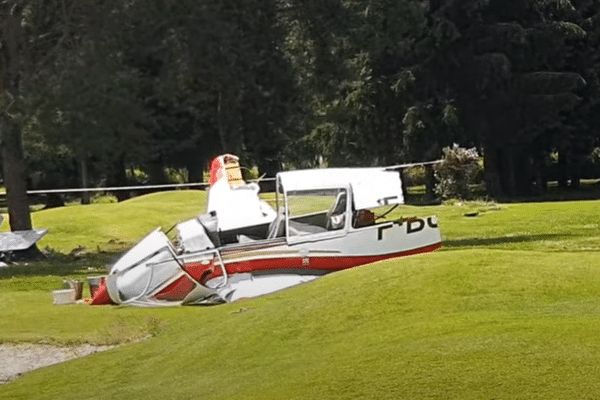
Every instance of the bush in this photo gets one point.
(137, 175)
(177, 175)
(103, 199)
(595, 155)
(415, 176)
(456, 171)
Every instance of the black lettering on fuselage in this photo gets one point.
(412, 225)
(431, 223)
(415, 225)
(381, 229)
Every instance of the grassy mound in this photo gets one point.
(508, 309)
(114, 226)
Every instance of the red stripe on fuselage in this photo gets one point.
(323, 263)
(339, 262)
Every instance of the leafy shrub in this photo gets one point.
(104, 199)
(456, 172)
(137, 175)
(415, 176)
(595, 155)
(479, 174)
(177, 175)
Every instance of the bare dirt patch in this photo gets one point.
(16, 359)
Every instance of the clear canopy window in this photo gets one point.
(316, 211)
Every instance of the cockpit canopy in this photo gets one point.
(370, 187)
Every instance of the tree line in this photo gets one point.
(93, 89)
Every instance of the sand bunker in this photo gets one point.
(16, 359)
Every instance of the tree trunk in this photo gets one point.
(196, 170)
(538, 174)
(85, 196)
(403, 184)
(429, 183)
(563, 170)
(156, 172)
(507, 170)
(269, 167)
(221, 121)
(576, 171)
(13, 163)
(118, 177)
(492, 176)
(522, 171)
(228, 122)
(15, 176)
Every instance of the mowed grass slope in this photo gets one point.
(508, 309)
(116, 225)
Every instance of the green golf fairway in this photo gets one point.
(509, 308)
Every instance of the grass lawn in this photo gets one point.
(507, 309)
(114, 226)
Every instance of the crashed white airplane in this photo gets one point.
(242, 247)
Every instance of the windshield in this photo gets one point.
(316, 211)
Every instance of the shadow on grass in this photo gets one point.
(495, 241)
(62, 265)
